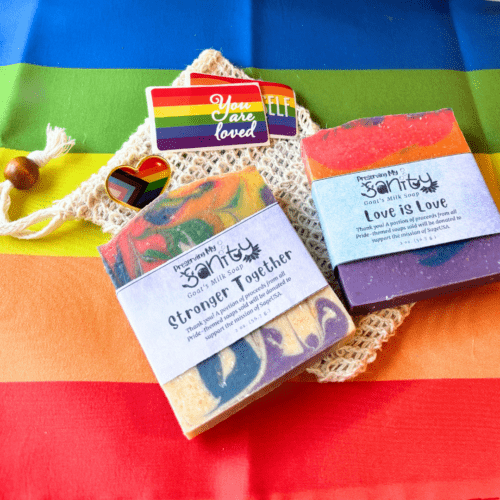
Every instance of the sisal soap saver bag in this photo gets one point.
(279, 164)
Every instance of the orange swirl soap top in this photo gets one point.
(181, 219)
(382, 141)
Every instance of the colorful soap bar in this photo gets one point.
(398, 278)
(222, 384)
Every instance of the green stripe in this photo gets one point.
(80, 100)
(190, 121)
(290, 111)
(485, 87)
(83, 100)
(336, 97)
(155, 185)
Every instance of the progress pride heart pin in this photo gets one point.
(136, 187)
(207, 117)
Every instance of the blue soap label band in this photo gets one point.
(196, 304)
(404, 207)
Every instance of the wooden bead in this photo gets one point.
(22, 172)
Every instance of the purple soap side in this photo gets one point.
(332, 325)
(396, 279)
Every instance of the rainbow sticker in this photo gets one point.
(279, 100)
(207, 117)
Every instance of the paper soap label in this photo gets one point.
(206, 117)
(279, 100)
(207, 298)
(404, 207)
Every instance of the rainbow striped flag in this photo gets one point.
(279, 100)
(81, 413)
(193, 118)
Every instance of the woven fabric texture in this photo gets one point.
(281, 166)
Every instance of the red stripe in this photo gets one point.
(121, 440)
(201, 79)
(186, 92)
(180, 100)
(145, 171)
(276, 89)
(194, 100)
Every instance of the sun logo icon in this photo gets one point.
(253, 255)
(431, 188)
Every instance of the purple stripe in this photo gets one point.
(209, 142)
(281, 130)
(203, 136)
(282, 125)
(203, 130)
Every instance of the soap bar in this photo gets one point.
(399, 278)
(252, 366)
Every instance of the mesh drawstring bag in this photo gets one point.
(279, 163)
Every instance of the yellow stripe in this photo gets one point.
(203, 109)
(489, 165)
(81, 239)
(157, 176)
(281, 99)
(57, 179)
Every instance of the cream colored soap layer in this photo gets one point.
(283, 346)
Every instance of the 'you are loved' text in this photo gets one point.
(237, 112)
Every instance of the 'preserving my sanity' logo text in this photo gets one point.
(371, 187)
(216, 261)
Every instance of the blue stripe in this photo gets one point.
(299, 34)
(120, 183)
(129, 189)
(477, 26)
(286, 121)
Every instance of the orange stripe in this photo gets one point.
(149, 174)
(64, 323)
(276, 89)
(271, 88)
(60, 320)
(454, 336)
